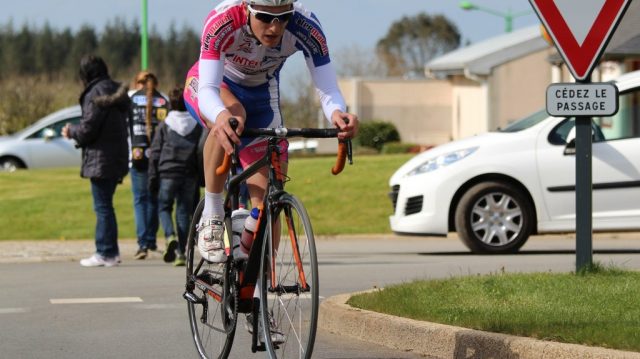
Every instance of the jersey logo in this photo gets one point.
(316, 40)
(247, 42)
(192, 87)
(141, 100)
(218, 31)
(245, 62)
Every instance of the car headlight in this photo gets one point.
(443, 160)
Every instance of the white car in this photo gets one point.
(498, 188)
(41, 144)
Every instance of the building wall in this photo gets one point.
(469, 116)
(517, 88)
(421, 110)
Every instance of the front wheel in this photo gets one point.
(211, 295)
(494, 217)
(289, 282)
(10, 164)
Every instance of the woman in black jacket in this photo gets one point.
(102, 135)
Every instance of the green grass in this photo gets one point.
(598, 308)
(352, 202)
(56, 203)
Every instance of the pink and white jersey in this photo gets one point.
(230, 53)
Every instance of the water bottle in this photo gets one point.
(250, 226)
(238, 218)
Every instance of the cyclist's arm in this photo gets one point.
(326, 83)
(209, 101)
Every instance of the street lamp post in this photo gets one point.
(144, 38)
(508, 16)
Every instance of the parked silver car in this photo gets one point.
(41, 144)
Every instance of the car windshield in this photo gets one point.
(526, 122)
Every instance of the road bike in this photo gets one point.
(282, 263)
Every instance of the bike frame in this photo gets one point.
(275, 188)
(248, 274)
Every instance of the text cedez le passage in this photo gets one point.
(574, 95)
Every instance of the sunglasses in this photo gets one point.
(268, 17)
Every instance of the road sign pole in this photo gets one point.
(580, 32)
(584, 198)
(144, 38)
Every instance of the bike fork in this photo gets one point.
(256, 346)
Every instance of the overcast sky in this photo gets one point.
(346, 22)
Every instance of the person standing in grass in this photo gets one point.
(149, 107)
(102, 135)
(173, 173)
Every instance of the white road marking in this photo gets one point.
(96, 300)
(13, 310)
(291, 296)
(160, 306)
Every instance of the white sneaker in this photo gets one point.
(210, 240)
(277, 337)
(97, 260)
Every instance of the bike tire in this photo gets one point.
(292, 308)
(213, 332)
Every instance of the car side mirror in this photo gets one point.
(49, 134)
(570, 148)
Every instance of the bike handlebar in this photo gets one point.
(344, 146)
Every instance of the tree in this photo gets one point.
(302, 109)
(85, 42)
(355, 60)
(412, 41)
(119, 45)
(23, 54)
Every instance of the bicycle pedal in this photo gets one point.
(259, 348)
(193, 298)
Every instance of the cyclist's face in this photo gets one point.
(269, 34)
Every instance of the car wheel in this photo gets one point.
(9, 165)
(494, 217)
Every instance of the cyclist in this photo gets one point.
(244, 45)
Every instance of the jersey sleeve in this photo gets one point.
(310, 38)
(218, 33)
(326, 83)
(209, 102)
(217, 36)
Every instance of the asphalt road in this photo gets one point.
(140, 313)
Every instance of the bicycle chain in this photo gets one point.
(235, 297)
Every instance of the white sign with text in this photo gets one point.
(575, 99)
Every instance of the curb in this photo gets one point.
(445, 341)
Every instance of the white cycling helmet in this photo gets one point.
(270, 2)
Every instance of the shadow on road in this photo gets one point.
(535, 252)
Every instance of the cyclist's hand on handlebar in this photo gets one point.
(346, 122)
(224, 133)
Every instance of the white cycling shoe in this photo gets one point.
(210, 239)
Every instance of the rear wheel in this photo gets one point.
(494, 217)
(211, 297)
(289, 283)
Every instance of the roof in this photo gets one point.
(480, 58)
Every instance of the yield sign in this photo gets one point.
(580, 29)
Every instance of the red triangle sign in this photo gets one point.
(580, 29)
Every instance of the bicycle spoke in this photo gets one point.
(292, 295)
(213, 324)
